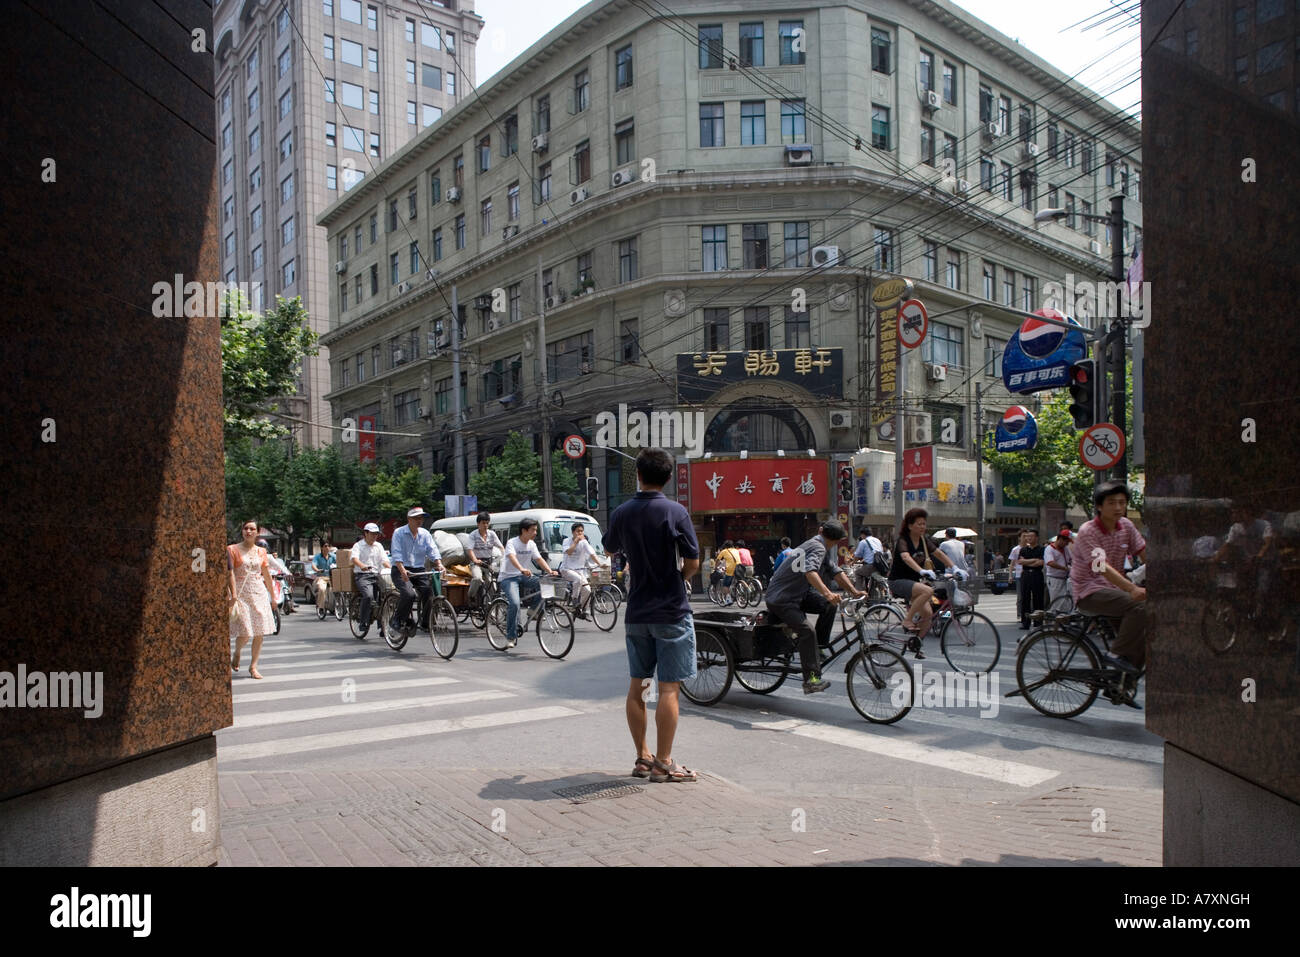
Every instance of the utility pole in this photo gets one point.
(1118, 330)
(900, 420)
(979, 479)
(546, 399)
(458, 439)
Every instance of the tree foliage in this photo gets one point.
(515, 476)
(261, 358)
(393, 491)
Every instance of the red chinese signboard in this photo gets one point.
(918, 468)
(684, 484)
(759, 485)
(367, 437)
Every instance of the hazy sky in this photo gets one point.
(514, 25)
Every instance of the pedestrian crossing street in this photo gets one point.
(329, 692)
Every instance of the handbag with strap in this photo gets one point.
(929, 565)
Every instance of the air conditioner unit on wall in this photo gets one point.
(1095, 247)
(402, 287)
(623, 176)
(510, 232)
(931, 98)
(798, 156)
(936, 373)
(578, 195)
(963, 187)
(493, 324)
(453, 194)
(341, 266)
(398, 357)
(1031, 150)
(992, 130)
(553, 301)
(825, 255)
(841, 420)
(540, 142)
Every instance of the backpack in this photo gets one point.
(881, 563)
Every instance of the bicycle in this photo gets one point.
(746, 591)
(758, 653)
(376, 613)
(436, 610)
(554, 623)
(969, 641)
(1232, 612)
(1059, 669)
(333, 604)
(600, 606)
(475, 609)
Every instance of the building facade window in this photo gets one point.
(710, 40)
(460, 231)
(754, 245)
(794, 42)
(753, 123)
(437, 244)
(627, 260)
(582, 163)
(949, 83)
(331, 176)
(990, 280)
(796, 245)
(717, 334)
(930, 260)
(625, 142)
(712, 126)
(512, 202)
(879, 126)
(714, 248)
(623, 68)
(485, 216)
(943, 345)
(883, 248)
(793, 122)
(757, 327)
(952, 275)
(581, 91)
(927, 144)
(880, 52)
(751, 44)
(628, 342)
(926, 70)
(798, 329)
(571, 357)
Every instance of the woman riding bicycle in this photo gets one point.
(913, 564)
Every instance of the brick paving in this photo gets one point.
(474, 817)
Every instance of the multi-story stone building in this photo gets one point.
(312, 96)
(702, 205)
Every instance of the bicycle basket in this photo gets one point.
(547, 588)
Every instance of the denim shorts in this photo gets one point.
(670, 645)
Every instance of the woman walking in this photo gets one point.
(250, 584)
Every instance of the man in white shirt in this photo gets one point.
(1013, 560)
(865, 553)
(368, 560)
(517, 574)
(955, 550)
(1056, 558)
(578, 556)
(483, 548)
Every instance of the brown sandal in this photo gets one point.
(672, 773)
(643, 767)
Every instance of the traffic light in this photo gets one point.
(1083, 393)
(593, 493)
(846, 484)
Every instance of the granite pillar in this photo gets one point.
(1222, 213)
(113, 510)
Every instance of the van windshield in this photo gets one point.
(557, 532)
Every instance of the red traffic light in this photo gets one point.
(1079, 374)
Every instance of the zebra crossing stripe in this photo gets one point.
(350, 671)
(395, 732)
(332, 690)
(266, 719)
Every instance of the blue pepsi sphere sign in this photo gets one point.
(1017, 432)
(1040, 354)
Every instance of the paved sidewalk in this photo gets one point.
(494, 817)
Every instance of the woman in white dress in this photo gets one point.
(250, 584)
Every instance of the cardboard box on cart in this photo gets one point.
(341, 575)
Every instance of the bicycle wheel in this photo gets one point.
(604, 610)
(881, 685)
(876, 620)
(354, 616)
(1219, 625)
(970, 642)
(1051, 672)
(715, 593)
(555, 630)
(395, 637)
(340, 607)
(443, 630)
(714, 669)
(1061, 605)
(764, 675)
(478, 616)
(495, 623)
(275, 610)
(323, 606)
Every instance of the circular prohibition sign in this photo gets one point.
(575, 447)
(1101, 446)
(913, 321)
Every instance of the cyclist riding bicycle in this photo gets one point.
(483, 548)
(368, 560)
(745, 560)
(907, 577)
(325, 560)
(412, 545)
(517, 575)
(1097, 584)
(578, 556)
(798, 586)
(730, 558)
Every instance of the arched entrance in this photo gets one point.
(756, 425)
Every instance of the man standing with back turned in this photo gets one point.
(652, 532)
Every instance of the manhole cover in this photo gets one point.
(595, 792)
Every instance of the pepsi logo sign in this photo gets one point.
(1015, 418)
(1040, 339)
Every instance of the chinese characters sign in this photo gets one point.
(820, 371)
(367, 437)
(886, 298)
(757, 485)
(918, 468)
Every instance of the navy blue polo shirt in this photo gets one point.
(651, 531)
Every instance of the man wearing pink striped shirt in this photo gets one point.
(1097, 581)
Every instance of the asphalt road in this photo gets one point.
(329, 701)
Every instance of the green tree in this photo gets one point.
(261, 358)
(516, 475)
(393, 492)
(321, 489)
(254, 480)
(1051, 471)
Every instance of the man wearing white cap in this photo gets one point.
(412, 544)
(368, 559)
